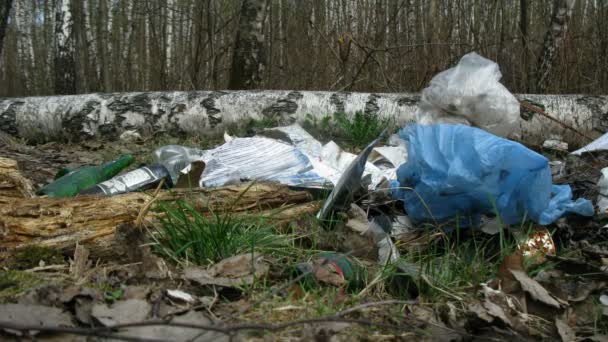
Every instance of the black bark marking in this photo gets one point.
(599, 111)
(338, 100)
(139, 103)
(409, 100)
(282, 108)
(213, 113)
(371, 106)
(74, 123)
(8, 118)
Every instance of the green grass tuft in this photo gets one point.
(185, 234)
(354, 131)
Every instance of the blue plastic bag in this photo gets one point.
(464, 172)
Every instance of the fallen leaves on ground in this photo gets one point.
(34, 316)
(235, 271)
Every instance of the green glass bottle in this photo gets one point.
(70, 184)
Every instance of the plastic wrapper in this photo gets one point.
(330, 160)
(288, 155)
(464, 172)
(602, 198)
(599, 144)
(470, 93)
(175, 158)
(256, 159)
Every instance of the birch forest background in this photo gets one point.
(81, 46)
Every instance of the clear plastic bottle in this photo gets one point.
(175, 158)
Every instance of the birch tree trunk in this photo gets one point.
(562, 11)
(90, 41)
(5, 10)
(25, 46)
(523, 28)
(209, 113)
(249, 56)
(65, 65)
(169, 41)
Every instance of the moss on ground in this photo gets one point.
(15, 283)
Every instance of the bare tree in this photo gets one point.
(5, 9)
(25, 46)
(65, 64)
(249, 56)
(523, 29)
(562, 11)
(397, 45)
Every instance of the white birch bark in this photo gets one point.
(65, 65)
(169, 42)
(208, 113)
(147, 43)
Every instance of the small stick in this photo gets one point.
(538, 110)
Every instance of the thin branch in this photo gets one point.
(538, 110)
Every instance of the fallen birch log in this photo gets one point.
(86, 116)
(92, 221)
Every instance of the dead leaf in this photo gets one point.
(536, 291)
(505, 308)
(507, 281)
(323, 331)
(585, 312)
(564, 330)
(235, 271)
(497, 311)
(83, 309)
(178, 334)
(432, 324)
(127, 311)
(357, 219)
(480, 312)
(136, 292)
(34, 315)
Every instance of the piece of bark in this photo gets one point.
(87, 116)
(91, 221)
(12, 183)
(80, 263)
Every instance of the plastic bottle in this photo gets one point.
(139, 179)
(72, 183)
(175, 158)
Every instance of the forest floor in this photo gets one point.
(461, 285)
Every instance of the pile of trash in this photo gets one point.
(455, 168)
(442, 172)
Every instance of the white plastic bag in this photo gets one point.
(470, 93)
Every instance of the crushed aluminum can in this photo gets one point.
(537, 245)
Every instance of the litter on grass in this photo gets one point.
(464, 172)
(470, 93)
(599, 144)
(292, 158)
